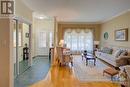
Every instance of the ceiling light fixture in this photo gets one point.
(42, 17)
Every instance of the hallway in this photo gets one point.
(37, 72)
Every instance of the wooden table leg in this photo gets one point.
(94, 62)
(86, 61)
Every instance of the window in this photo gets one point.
(42, 39)
(19, 35)
(79, 41)
(51, 42)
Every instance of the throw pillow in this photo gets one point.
(104, 50)
(124, 53)
(117, 53)
(107, 50)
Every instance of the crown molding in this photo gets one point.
(22, 19)
(60, 22)
(115, 16)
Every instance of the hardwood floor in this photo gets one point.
(64, 77)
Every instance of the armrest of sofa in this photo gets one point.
(123, 60)
(123, 57)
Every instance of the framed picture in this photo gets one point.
(106, 35)
(27, 35)
(121, 35)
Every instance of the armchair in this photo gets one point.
(64, 56)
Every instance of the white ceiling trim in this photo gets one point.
(79, 22)
(22, 19)
(106, 20)
(124, 12)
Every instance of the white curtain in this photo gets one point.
(79, 40)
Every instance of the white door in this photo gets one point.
(43, 41)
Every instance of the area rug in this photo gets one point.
(90, 72)
(100, 84)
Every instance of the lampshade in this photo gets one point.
(96, 42)
(61, 43)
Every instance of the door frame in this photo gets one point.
(22, 20)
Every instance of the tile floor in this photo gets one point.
(23, 66)
(37, 72)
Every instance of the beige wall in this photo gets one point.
(6, 48)
(63, 26)
(22, 10)
(119, 22)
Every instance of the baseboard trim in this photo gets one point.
(40, 56)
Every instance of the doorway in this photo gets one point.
(21, 46)
(44, 40)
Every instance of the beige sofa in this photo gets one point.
(111, 58)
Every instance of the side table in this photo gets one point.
(111, 72)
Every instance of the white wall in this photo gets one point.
(25, 29)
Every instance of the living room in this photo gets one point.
(106, 38)
(104, 35)
(99, 27)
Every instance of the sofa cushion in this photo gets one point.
(106, 57)
(107, 50)
(116, 59)
(117, 53)
(124, 53)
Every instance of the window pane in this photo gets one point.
(80, 41)
(74, 43)
(42, 39)
(51, 43)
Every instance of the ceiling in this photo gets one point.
(79, 10)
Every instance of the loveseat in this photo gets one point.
(114, 56)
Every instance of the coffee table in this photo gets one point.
(111, 72)
(90, 57)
